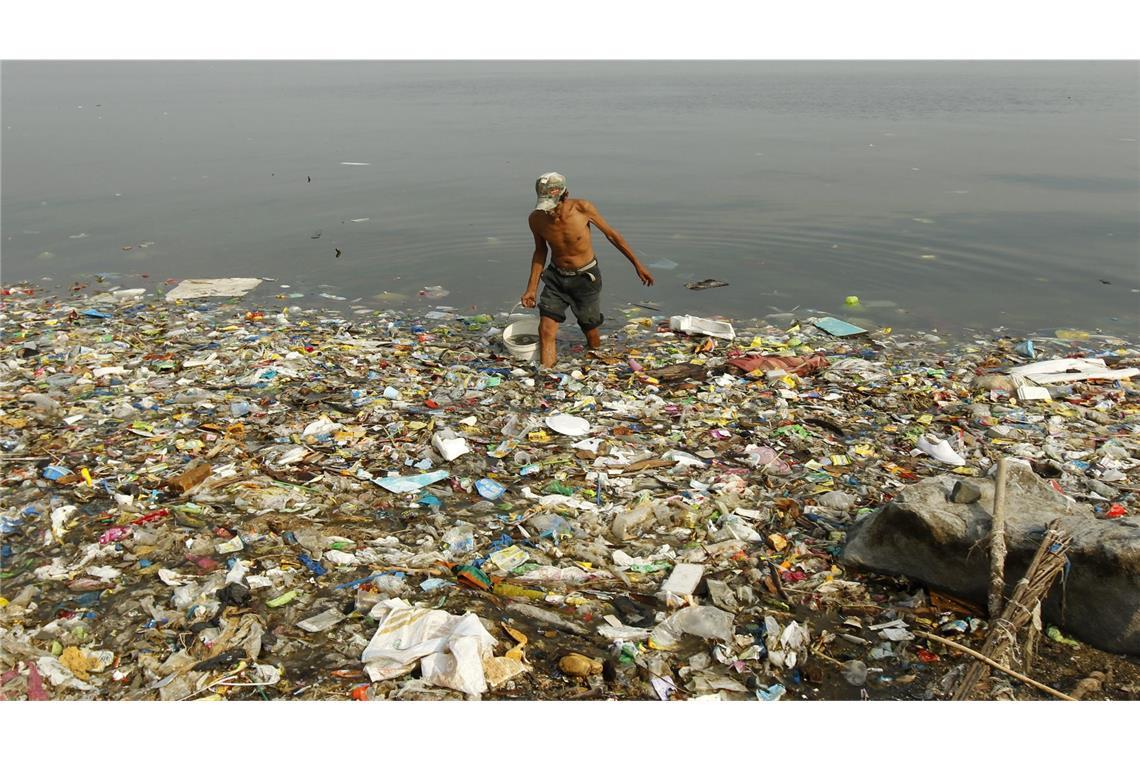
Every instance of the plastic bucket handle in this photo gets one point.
(511, 313)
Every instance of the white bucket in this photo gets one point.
(521, 338)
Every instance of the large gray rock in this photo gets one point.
(925, 536)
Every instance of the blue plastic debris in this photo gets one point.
(501, 542)
(358, 582)
(410, 483)
(837, 327)
(89, 598)
(489, 489)
(770, 693)
(54, 472)
(316, 567)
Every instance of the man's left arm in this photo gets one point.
(616, 240)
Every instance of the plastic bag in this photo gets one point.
(706, 622)
(452, 647)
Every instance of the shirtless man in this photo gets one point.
(573, 279)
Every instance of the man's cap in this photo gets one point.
(550, 188)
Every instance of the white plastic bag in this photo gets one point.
(1070, 370)
(706, 622)
(452, 647)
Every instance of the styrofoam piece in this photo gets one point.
(684, 579)
(691, 325)
(224, 288)
(1033, 393)
(449, 445)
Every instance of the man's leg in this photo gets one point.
(547, 330)
(552, 303)
(588, 308)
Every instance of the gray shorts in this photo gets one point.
(581, 292)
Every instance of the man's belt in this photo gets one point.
(572, 272)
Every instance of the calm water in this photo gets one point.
(946, 195)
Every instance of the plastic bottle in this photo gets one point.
(550, 526)
(460, 540)
(625, 523)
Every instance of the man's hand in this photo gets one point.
(528, 299)
(643, 274)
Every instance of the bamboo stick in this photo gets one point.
(997, 545)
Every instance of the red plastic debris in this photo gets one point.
(36, 691)
(158, 514)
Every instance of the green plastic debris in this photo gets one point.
(558, 487)
(282, 600)
(1054, 633)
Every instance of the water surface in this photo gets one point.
(943, 194)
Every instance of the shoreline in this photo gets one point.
(420, 301)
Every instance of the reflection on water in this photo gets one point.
(941, 194)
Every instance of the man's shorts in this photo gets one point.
(581, 292)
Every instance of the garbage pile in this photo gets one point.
(203, 500)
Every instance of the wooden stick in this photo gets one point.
(997, 545)
(775, 573)
(997, 666)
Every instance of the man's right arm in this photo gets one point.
(537, 263)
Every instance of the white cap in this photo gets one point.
(550, 188)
